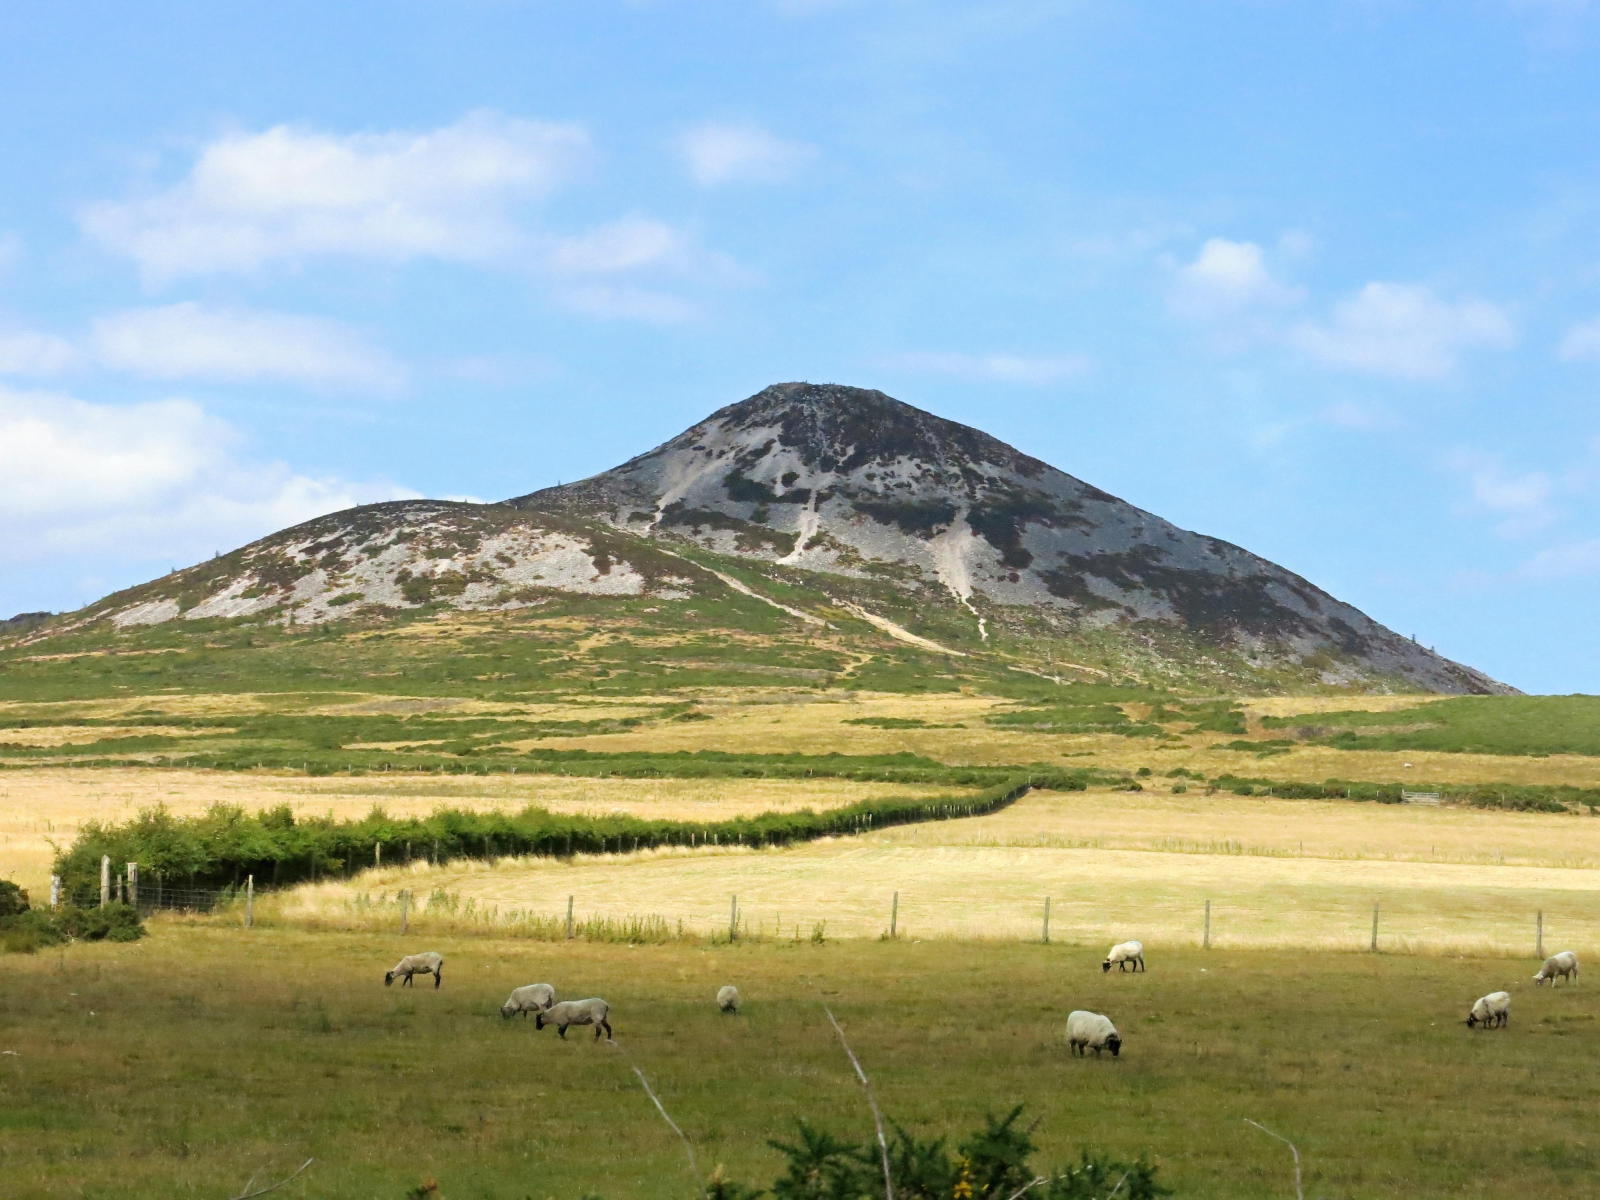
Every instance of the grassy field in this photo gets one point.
(189, 1063)
(1277, 873)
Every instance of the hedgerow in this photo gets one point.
(220, 848)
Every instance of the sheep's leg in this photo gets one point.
(562, 1030)
(607, 1024)
(438, 977)
(406, 982)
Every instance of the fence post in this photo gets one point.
(1207, 942)
(249, 901)
(1538, 933)
(55, 891)
(894, 915)
(1047, 920)
(105, 880)
(1374, 945)
(569, 918)
(377, 854)
(405, 910)
(133, 884)
(733, 918)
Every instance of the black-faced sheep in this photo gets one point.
(1558, 966)
(576, 1012)
(427, 963)
(1124, 953)
(532, 997)
(1092, 1031)
(728, 998)
(1490, 1011)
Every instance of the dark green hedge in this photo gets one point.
(219, 849)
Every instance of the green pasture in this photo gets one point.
(188, 1063)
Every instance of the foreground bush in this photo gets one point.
(991, 1164)
(24, 930)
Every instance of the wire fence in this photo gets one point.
(1405, 926)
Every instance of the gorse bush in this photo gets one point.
(990, 1164)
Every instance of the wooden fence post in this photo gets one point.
(55, 891)
(1047, 920)
(249, 901)
(569, 918)
(405, 910)
(733, 918)
(105, 880)
(377, 854)
(1374, 946)
(133, 884)
(894, 916)
(1206, 944)
(1538, 933)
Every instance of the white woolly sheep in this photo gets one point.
(427, 963)
(1558, 966)
(532, 997)
(728, 998)
(1092, 1031)
(1491, 1010)
(1124, 953)
(576, 1012)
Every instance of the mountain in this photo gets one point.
(833, 507)
(852, 482)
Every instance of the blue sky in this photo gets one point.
(1322, 279)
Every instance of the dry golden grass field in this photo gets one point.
(1114, 865)
(44, 807)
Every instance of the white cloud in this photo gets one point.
(627, 245)
(191, 341)
(1567, 561)
(717, 153)
(1581, 343)
(1227, 279)
(1523, 501)
(1034, 370)
(626, 302)
(289, 194)
(1403, 331)
(28, 352)
(141, 481)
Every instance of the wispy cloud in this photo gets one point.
(1403, 331)
(1034, 370)
(190, 341)
(287, 194)
(717, 153)
(1227, 278)
(29, 352)
(129, 482)
(1520, 502)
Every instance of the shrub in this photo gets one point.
(990, 1164)
(13, 900)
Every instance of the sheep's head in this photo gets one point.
(1114, 1044)
(1472, 1019)
(1540, 978)
(1105, 966)
(388, 978)
(508, 1010)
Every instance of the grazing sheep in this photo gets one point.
(1491, 1010)
(534, 996)
(1124, 953)
(428, 963)
(576, 1012)
(1558, 966)
(728, 998)
(1092, 1031)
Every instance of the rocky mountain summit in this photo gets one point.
(831, 505)
(847, 481)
